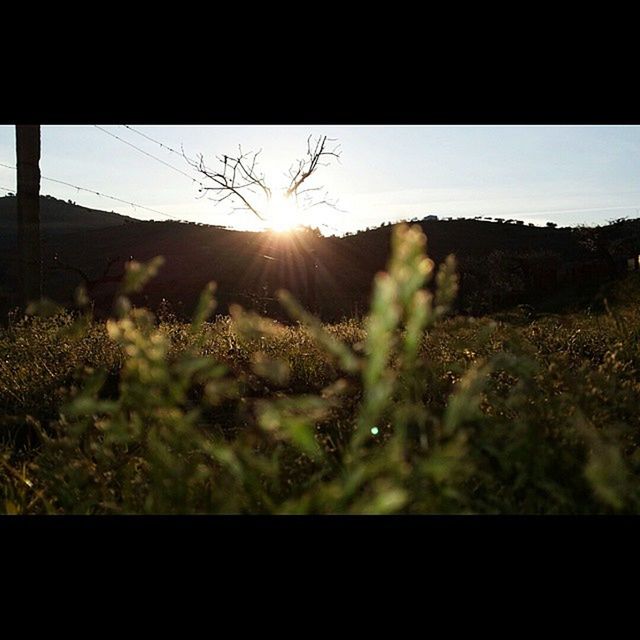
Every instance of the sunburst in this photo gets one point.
(282, 214)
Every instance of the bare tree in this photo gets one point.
(239, 181)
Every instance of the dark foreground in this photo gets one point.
(408, 412)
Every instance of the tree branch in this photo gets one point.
(308, 165)
(237, 177)
(91, 283)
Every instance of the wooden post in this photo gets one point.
(28, 180)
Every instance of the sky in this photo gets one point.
(564, 174)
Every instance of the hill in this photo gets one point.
(499, 263)
(57, 218)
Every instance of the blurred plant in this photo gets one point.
(409, 412)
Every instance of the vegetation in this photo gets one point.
(408, 411)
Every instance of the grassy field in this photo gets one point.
(410, 411)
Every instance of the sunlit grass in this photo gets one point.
(409, 411)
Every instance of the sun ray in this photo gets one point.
(282, 213)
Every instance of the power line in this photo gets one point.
(166, 164)
(9, 190)
(97, 193)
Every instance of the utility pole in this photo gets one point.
(28, 180)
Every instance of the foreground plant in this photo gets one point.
(411, 413)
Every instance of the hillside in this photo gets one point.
(58, 217)
(499, 263)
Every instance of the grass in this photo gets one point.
(408, 411)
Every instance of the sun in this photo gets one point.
(282, 214)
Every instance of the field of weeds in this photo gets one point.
(409, 411)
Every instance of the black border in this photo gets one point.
(489, 104)
(398, 80)
(366, 567)
(322, 65)
(531, 538)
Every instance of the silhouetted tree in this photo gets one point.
(239, 181)
(91, 283)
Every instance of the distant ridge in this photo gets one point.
(58, 217)
(499, 263)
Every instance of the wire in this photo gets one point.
(166, 164)
(97, 193)
(133, 204)
(164, 146)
